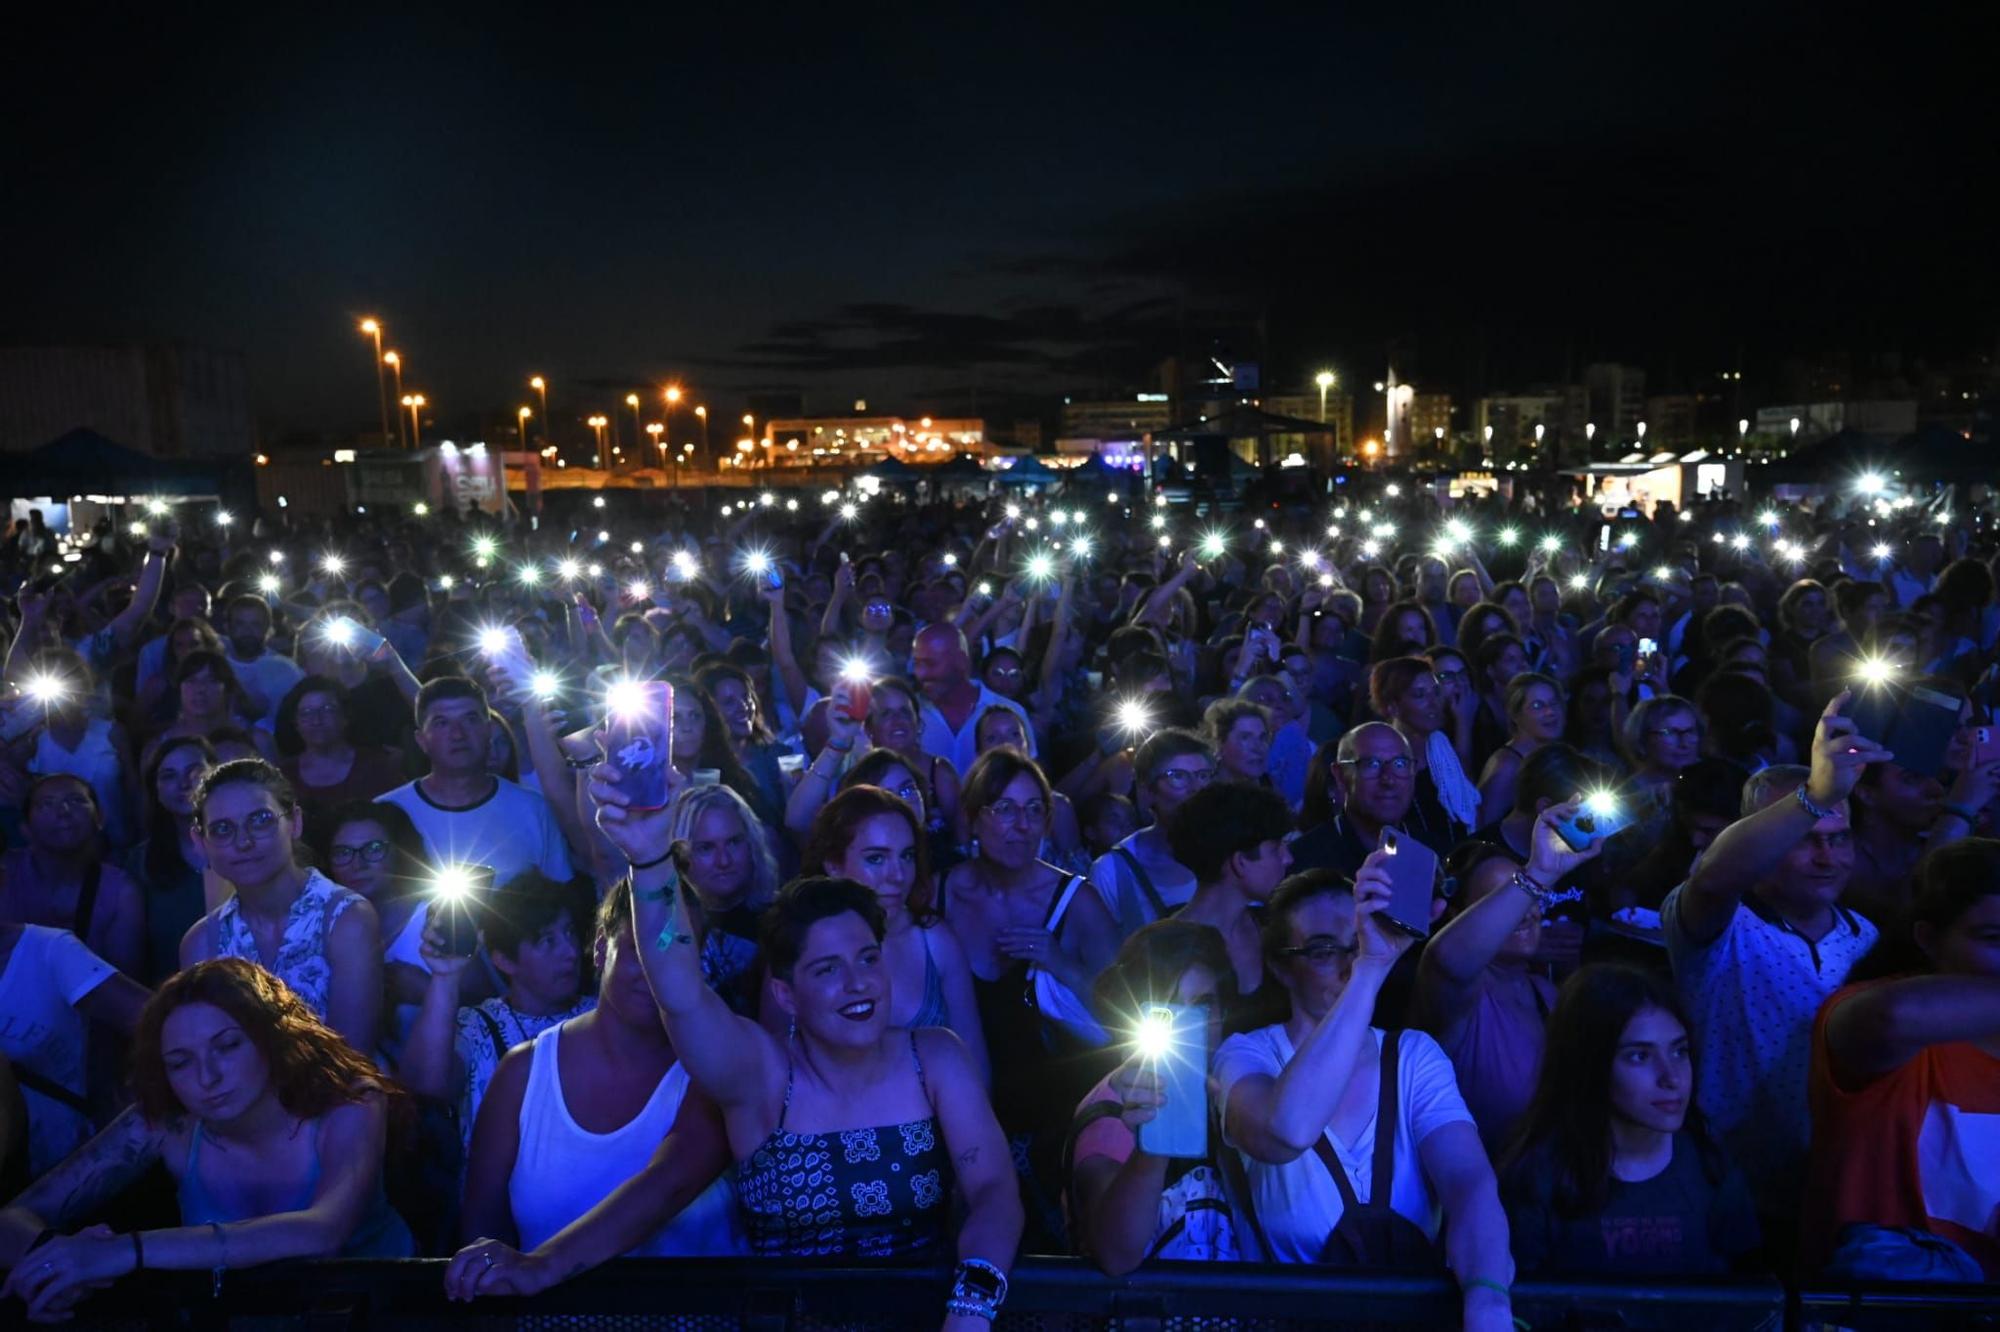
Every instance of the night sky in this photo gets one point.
(939, 210)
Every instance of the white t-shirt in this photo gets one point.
(47, 974)
(511, 830)
(961, 747)
(270, 675)
(1297, 1203)
(1752, 994)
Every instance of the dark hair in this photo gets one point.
(1162, 747)
(207, 659)
(446, 687)
(286, 724)
(834, 827)
(1318, 805)
(245, 772)
(313, 1070)
(412, 853)
(1389, 680)
(1723, 623)
(1224, 819)
(1570, 1115)
(1471, 635)
(521, 908)
(1150, 964)
(802, 904)
(874, 766)
(991, 711)
(1738, 711)
(1274, 931)
(1950, 881)
(1388, 642)
(714, 673)
(1555, 772)
(992, 773)
(163, 839)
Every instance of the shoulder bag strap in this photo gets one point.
(1145, 882)
(1060, 907)
(1324, 1151)
(86, 899)
(50, 1088)
(493, 1030)
(1386, 1109)
(1231, 1162)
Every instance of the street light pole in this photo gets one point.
(395, 362)
(373, 328)
(702, 414)
(541, 386)
(638, 427)
(523, 416)
(415, 402)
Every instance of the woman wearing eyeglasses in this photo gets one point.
(375, 850)
(1035, 937)
(1534, 709)
(1662, 736)
(325, 768)
(319, 938)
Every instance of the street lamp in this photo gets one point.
(373, 328)
(415, 403)
(750, 426)
(541, 386)
(597, 424)
(395, 363)
(632, 401)
(1325, 381)
(1642, 432)
(523, 414)
(702, 413)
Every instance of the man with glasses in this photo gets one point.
(60, 878)
(1139, 879)
(1374, 782)
(1758, 939)
(467, 814)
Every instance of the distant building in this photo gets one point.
(1672, 421)
(1561, 410)
(1339, 419)
(1889, 417)
(1617, 403)
(1430, 422)
(833, 438)
(1116, 418)
(1028, 433)
(166, 399)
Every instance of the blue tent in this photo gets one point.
(1026, 472)
(84, 462)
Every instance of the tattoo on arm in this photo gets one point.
(96, 1173)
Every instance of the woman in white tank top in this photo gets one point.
(590, 1146)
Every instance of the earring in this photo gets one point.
(791, 1031)
(975, 846)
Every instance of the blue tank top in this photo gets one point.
(933, 1010)
(380, 1234)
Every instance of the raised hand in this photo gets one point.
(1550, 858)
(1839, 754)
(1380, 942)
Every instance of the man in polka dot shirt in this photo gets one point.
(1758, 939)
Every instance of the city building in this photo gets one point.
(1306, 406)
(1115, 418)
(1617, 403)
(1505, 424)
(832, 439)
(1892, 418)
(169, 400)
(1672, 421)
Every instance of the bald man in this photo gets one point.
(953, 701)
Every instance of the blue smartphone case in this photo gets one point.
(1180, 1129)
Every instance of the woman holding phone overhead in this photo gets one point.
(897, 1118)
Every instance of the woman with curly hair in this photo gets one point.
(272, 1126)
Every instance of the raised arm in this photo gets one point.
(730, 1057)
(81, 1185)
(1877, 1030)
(1750, 848)
(783, 659)
(1277, 1119)
(822, 775)
(152, 573)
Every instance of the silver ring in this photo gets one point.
(486, 1258)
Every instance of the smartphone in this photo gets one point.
(1649, 647)
(639, 738)
(455, 906)
(1174, 1039)
(1412, 868)
(1985, 745)
(774, 577)
(504, 645)
(1917, 725)
(1600, 816)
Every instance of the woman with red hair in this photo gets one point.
(272, 1126)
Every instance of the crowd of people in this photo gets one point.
(1522, 890)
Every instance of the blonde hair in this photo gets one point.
(695, 801)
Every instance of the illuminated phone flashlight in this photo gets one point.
(594, 569)
(756, 563)
(445, 581)
(985, 589)
(137, 530)
(1153, 1035)
(1058, 518)
(484, 547)
(1663, 574)
(1628, 540)
(1578, 582)
(1371, 548)
(1458, 530)
(1013, 511)
(602, 536)
(1134, 716)
(1869, 483)
(1552, 544)
(1079, 546)
(856, 670)
(340, 631)
(1166, 542)
(1603, 804)
(625, 698)
(1333, 529)
(224, 517)
(545, 684)
(791, 506)
(1393, 490)
(1277, 546)
(452, 883)
(728, 509)
(637, 589)
(1883, 550)
(156, 507)
(569, 569)
(1213, 545)
(45, 688)
(597, 503)
(1326, 580)
(530, 574)
(1159, 521)
(267, 582)
(333, 564)
(767, 499)
(1739, 541)
(1041, 566)
(421, 509)
(637, 548)
(1259, 524)
(493, 640)
(1033, 524)
(277, 557)
(687, 566)
(829, 497)
(848, 512)
(1768, 518)
(1309, 558)
(950, 559)
(1509, 535)
(1876, 670)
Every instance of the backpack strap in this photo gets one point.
(52, 1089)
(493, 1030)
(1385, 1138)
(1238, 1181)
(1145, 882)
